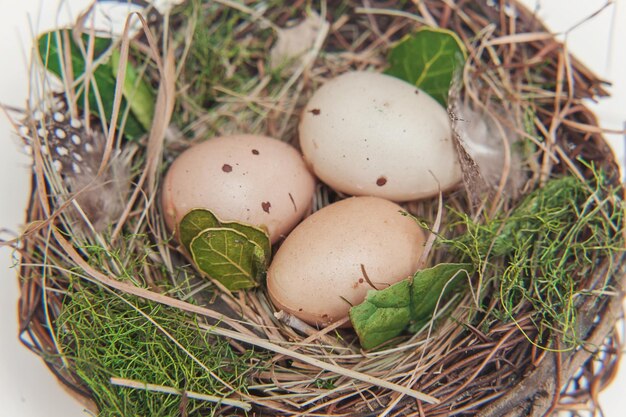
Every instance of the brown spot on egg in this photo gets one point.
(266, 206)
(315, 112)
(227, 168)
(255, 151)
(381, 181)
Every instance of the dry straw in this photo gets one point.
(195, 348)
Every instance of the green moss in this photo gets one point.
(539, 254)
(107, 335)
(222, 56)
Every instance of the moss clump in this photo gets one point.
(107, 335)
(543, 253)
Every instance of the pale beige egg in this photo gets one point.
(252, 179)
(366, 133)
(331, 259)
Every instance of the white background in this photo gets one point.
(27, 388)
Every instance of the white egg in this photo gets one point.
(366, 133)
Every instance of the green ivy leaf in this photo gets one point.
(52, 47)
(197, 220)
(228, 256)
(236, 254)
(428, 59)
(408, 304)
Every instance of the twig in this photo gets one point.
(129, 383)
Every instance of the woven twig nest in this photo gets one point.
(90, 264)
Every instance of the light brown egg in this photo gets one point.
(331, 259)
(247, 178)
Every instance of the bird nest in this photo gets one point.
(118, 314)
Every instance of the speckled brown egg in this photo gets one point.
(331, 259)
(247, 178)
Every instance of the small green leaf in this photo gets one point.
(227, 256)
(409, 304)
(428, 59)
(52, 48)
(383, 315)
(197, 220)
(236, 254)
